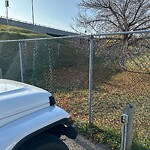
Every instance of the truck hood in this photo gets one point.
(19, 99)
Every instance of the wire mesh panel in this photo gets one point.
(121, 76)
(10, 60)
(70, 75)
(70, 64)
(60, 65)
(37, 63)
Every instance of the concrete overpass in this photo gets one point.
(36, 28)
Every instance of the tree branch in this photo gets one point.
(135, 28)
(140, 5)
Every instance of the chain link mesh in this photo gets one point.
(10, 61)
(120, 76)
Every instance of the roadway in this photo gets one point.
(36, 27)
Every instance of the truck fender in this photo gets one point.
(22, 129)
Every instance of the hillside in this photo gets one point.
(17, 33)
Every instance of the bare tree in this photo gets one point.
(114, 15)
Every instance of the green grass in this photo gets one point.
(112, 90)
(15, 29)
(110, 96)
(139, 63)
(17, 33)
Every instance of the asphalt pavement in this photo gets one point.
(81, 143)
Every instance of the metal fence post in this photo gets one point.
(1, 73)
(127, 127)
(90, 78)
(21, 64)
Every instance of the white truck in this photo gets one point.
(30, 119)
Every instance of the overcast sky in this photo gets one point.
(54, 13)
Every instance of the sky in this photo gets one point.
(54, 13)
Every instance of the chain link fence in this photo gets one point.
(121, 75)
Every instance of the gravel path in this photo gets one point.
(81, 143)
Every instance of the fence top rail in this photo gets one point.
(122, 33)
(37, 39)
(77, 36)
